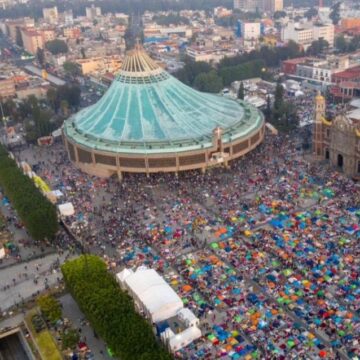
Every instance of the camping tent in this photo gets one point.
(66, 209)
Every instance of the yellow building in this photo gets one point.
(48, 35)
(7, 87)
(100, 65)
(32, 40)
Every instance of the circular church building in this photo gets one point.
(150, 122)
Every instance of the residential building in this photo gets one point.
(350, 23)
(47, 34)
(72, 32)
(7, 87)
(305, 33)
(13, 26)
(261, 5)
(93, 12)
(51, 15)
(320, 71)
(100, 65)
(32, 40)
(68, 17)
(250, 30)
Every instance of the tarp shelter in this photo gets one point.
(183, 339)
(153, 294)
(66, 209)
(56, 133)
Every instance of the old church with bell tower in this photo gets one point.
(338, 140)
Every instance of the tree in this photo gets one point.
(50, 307)
(278, 109)
(241, 92)
(317, 47)
(311, 13)
(64, 106)
(335, 13)
(110, 310)
(71, 68)
(35, 211)
(267, 111)
(57, 46)
(341, 44)
(211, 82)
(40, 55)
(19, 39)
(51, 96)
(83, 54)
(70, 338)
(279, 14)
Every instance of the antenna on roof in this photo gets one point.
(138, 45)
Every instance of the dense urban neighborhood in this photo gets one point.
(179, 179)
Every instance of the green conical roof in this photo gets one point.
(145, 107)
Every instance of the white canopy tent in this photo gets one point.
(183, 339)
(66, 209)
(152, 293)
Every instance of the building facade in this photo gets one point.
(93, 12)
(7, 87)
(337, 141)
(260, 5)
(250, 30)
(51, 15)
(150, 122)
(32, 40)
(305, 33)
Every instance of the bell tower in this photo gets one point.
(318, 136)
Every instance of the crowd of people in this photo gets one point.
(266, 252)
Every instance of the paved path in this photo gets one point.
(18, 282)
(73, 313)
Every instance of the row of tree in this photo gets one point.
(64, 97)
(110, 310)
(171, 19)
(34, 9)
(204, 77)
(347, 45)
(34, 209)
(50, 308)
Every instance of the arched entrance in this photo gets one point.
(327, 154)
(340, 161)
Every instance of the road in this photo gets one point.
(11, 348)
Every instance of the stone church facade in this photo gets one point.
(337, 141)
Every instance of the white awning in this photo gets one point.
(66, 209)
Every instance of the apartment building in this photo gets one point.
(7, 87)
(305, 33)
(51, 15)
(32, 40)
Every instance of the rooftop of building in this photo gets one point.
(148, 110)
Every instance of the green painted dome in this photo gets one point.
(146, 108)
